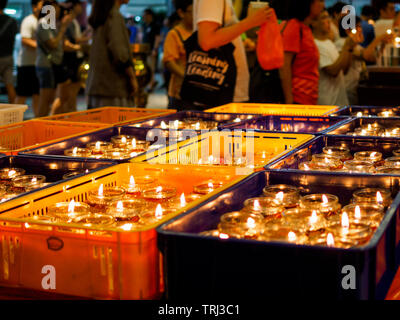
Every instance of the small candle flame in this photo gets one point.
(345, 221)
(264, 155)
(163, 125)
(257, 206)
(123, 140)
(211, 185)
(11, 173)
(379, 198)
(176, 124)
(183, 200)
(200, 161)
(159, 189)
(330, 241)
(357, 213)
(34, 180)
(132, 182)
(210, 159)
(223, 236)
(75, 151)
(369, 126)
(159, 211)
(133, 143)
(292, 236)
(101, 190)
(354, 31)
(237, 120)
(279, 196)
(389, 31)
(127, 227)
(359, 114)
(373, 154)
(314, 217)
(71, 207)
(197, 126)
(306, 167)
(120, 206)
(251, 223)
(98, 143)
(324, 199)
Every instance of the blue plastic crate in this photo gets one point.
(53, 169)
(293, 124)
(200, 266)
(354, 123)
(371, 110)
(56, 150)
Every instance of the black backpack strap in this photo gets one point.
(179, 35)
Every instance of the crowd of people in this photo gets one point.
(323, 60)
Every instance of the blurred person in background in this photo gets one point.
(332, 64)
(8, 31)
(335, 13)
(50, 51)
(367, 25)
(152, 36)
(72, 59)
(27, 81)
(387, 14)
(133, 30)
(174, 51)
(111, 80)
(360, 56)
(299, 74)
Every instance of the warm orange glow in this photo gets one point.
(163, 125)
(120, 206)
(34, 180)
(379, 198)
(251, 223)
(101, 190)
(183, 200)
(324, 199)
(123, 140)
(306, 167)
(159, 212)
(330, 241)
(292, 236)
(75, 151)
(11, 173)
(373, 154)
(176, 124)
(345, 221)
(357, 212)
(71, 207)
(132, 181)
(257, 206)
(158, 189)
(314, 217)
(279, 196)
(98, 143)
(223, 236)
(133, 143)
(210, 185)
(127, 227)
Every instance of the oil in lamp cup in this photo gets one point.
(359, 232)
(99, 147)
(121, 141)
(392, 132)
(326, 204)
(7, 174)
(305, 220)
(358, 166)
(154, 213)
(323, 240)
(116, 154)
(99, 199)
(126, 210)
(342, 152)
(283, 195)
(393, 161)
(77, 152)
(367, 213)
(159, 194)
(373, 196)
(278, 233)
(27, 183)
(369, 131)
(388, 170)
(241, 225)
(94, 220)
(207, 187)
(180, 202)
(324, 162)
(137, 184)
(372, 156)
(262, 157)
(269, 209)
(68, 211)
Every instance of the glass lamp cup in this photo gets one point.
(153, 213)
(373, 156)
(283, 195)
(159, 194)
(274, 232)
(358, 166)
(393, 161)
(73, 174)
(268, 208)
(305, 220)
(388, 170)
(387, 114)
(321, 162)
(77, 152)
(241, 225)
(207, 187)
(68, 211)
(341, 152)
(126, 210)
(116, 154)
(359, 114)
(392, 132)
(373, 196)
(27, 182)
(99, 201)
(323, 240)
(326, 204)
(396, 153)
(374, 132)
(7, 174)
(360, 232)
(254, 6)
(367, 213)
(94, 220)
(99, 147)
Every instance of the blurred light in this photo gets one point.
(10, 11)
(138, 18)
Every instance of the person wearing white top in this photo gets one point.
(27, 81)
(332, 65)
(387, 14)
(208, 19)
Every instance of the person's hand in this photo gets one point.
(66, 20)
(249, 45)
(350, 43)
(260, 16)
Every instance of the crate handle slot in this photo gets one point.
(54, 243)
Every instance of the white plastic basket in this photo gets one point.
(12, 113)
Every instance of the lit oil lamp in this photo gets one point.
(66, 212)
(366, 213)
(7, 174)
(159, 194)
(373, 196)
(153, 214)
(327, 204)
(99, 147)
(388, 170)
(73, 174)
(207, 187)
(305, 220)
(283, 195)
(94, 220)
(322, 163)
(341, 152)
(396, 153)
(268, 208)
(77, 152)
(100, 199)
(328, 240)
(262, 157)
(372, 156)
(178, 203)
(358, 166)
(393, 161)
(27, 183)
(278, 233)
(116, 154)
(126, 210)
(387, 114)
(241, 225)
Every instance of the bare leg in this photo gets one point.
(20, 100)
(63, 95)
(35, 104)
(74, 88)
(46, 99)
(11, 93)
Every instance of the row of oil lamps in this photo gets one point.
(376, 130)
(339, 158)
(283, 215)
(139, 203)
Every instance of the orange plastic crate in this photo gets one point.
(105, 263)
(21, 136)
(276, 109)
(111, 115)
